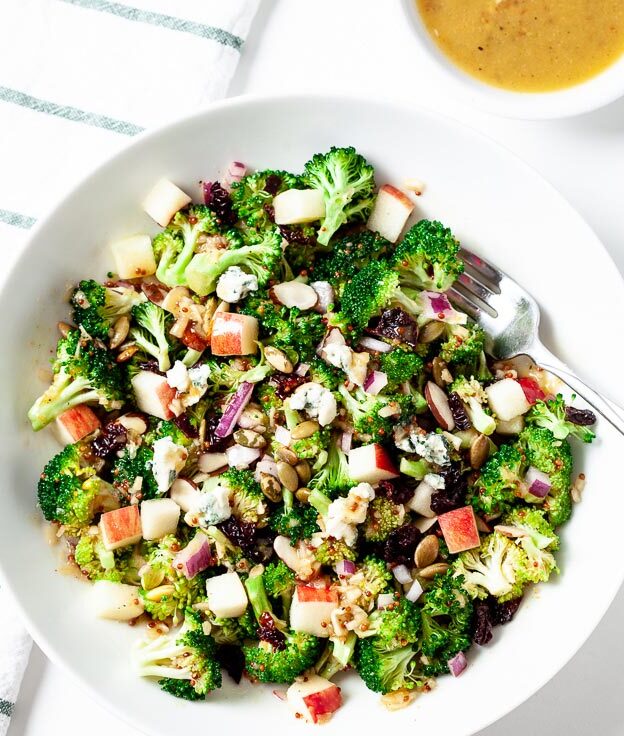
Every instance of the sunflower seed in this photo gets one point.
(64, 328)
(120, 332)
(302, 495)
(126, 353)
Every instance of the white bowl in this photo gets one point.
(497, 206)
(585, 97)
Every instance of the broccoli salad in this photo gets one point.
(286, 454)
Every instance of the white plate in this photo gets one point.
(498, 207)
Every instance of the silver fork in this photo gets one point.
(510, 316)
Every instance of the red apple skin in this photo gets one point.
(79, 421)
(383, 461)
(398, 194)
(459, 528)
(233, 334)
(121, 526)
(193, 340)
(166, 395)
(311, 593)
(532, 391)
(324, 702)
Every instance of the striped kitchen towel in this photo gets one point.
(78, 79)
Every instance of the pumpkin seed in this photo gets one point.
(431, 331)
(288, 475)
(302, 495)
(303, 471)
(431, 571)
(120, 331)
(479, 451)
(278, 360)
(287, 455)
(126, 353)
(427, 551)
(64, 328)
(157, 594)
(304, 430)
(271, 487)
(249, 438)
(441, 374)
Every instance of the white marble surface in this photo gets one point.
(367, 47)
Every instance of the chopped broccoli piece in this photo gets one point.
(331, 551)
(400, 366)
(294, 521)
(327, 375)
(311, 447)
(386, 669)
(132, 465)
(334, 476)
(253, 195)
(464, 349)
(268, 664)
(347, 257)
(552, 415)
(279, 582)
(96, 307)
(151, 333)
(538, 540)
(246, 497)
(364, 410)
(500, 483)
(382, 517)
(98, 563)
(398, 624)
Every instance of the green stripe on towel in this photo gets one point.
(17, 220)
(74, 114)
(6, 708)
(160, 19)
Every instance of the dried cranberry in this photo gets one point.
(232, 659)
(269, 211)
(286, 383)
(242, 534)
(296, 235)
(151, 366)
(220, 202)
(401, 544)
(453, 495)
(457, 410)
(395, 491)
(502, 613)
(212, 443)
(112, 438)
(582, 417)
(182, 423)
(272, 184)
(154, 292)
(269, 632)
(482, 623)
(395, 324)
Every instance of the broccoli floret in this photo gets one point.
(294, 521)
(347, 257)
(268, 398)
(327, 375)
(552, 415)
(334, 476)
(376, 577)
(400, 366)
(133, 465)
(398, 624)
(187, 655)
(70, 492)
(427, 257)
(446, 623)
(225, 378)
(384, 669)
(253, 195)
(98, 563)
(364, 411)
(84, 373)
(336, 656)
(347, 182)
(464, 350)
(234, 630)
(262, 258)
(471, 392)
(279, 582)
(495, 568)
(96, 307)
(151, 333)
(553, 457)
(175, 246)
(538, 540)
(331, 551)
(228, 553)
(168, 428)
(500, 482)
(269, 664)
(246, 497)
(312, 446)
(382, 517)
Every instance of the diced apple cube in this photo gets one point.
(234, 334)
(186, 494)
(171, 302)
(134, 257)
(370, 464)
(314, 698)
(421, 500)
(164, 200)
(506, 399)
(115, 601)
(75, 423)
(121, 527)
(459, 528)
(226, 595)
(311, 609)
(513, 426)
(295, 206)
(153, 394)
(391, 211)
(159, 517)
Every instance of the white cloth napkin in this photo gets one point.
(78, 79)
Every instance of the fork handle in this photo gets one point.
(605, 407)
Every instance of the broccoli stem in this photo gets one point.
(320, 502)
(258, 596)
(414, 468)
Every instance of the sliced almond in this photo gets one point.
(439, 406)
(295, 294)
(277, 359)
(479, 451)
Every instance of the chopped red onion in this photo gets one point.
(234, 409)
(302, 369)
(207, 191)
(371, 343)
(402, 574)
(458, 664)
(279, 694)
(346, 438)
(437, 307)
(384, 600)
(375, 382)
(282, 435)
(208, 462)
(345, 567)
(240, 457)
(539, 483)
(235, 172)
(195, 557)
(414, 593)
